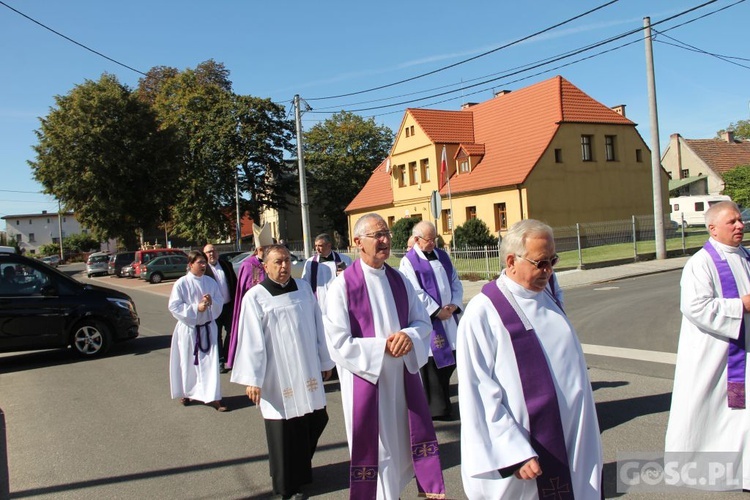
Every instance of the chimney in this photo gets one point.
(501, 92)
(467, 105)
(44, 212)
(728, 136)
(619, 109)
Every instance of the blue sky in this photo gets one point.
(329, 48)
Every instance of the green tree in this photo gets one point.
(737, 185)
(81, 242)
(401, 230)
(474, 233)
(741, 129)
(100, 152)
(340, 154)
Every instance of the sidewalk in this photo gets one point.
(575, 277)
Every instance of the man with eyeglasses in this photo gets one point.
(528, 421)
(432, 274)
(377, 330)
(323, 267)
(223, 272)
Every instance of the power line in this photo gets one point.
(22, 192)
(71, 40)
(544, 62)
(510, 44)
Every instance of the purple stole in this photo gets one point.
(736, 356)
(441, 348)
(545, 425)
(363, 470)
(314, 270)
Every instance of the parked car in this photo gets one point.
(165, 267)
(145, 256)
(97, 264)
(43, 308)
(117, 261)
(51, 260)
(127, 271)
(745, 213)
(228, 256)
(237, 260)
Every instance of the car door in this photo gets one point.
(177, 266)
(31, 312)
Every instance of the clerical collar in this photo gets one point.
(330, 258)
(276, 288)
(430, 255)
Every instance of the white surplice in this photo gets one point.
(187, 380)
(699, 419)
(326, 275)
(281, 348)
(494, 418)
(366, 358)
(450, 288)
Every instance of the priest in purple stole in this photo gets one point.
(709, 400)
(377, 331)
(528, 421)
(431, 272)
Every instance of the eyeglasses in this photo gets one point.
(211, 251)
(379, 235)
(428, 240)
(542, 264)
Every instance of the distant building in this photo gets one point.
(696, 166)
(548, 151)
(31, 231)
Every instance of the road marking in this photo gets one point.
(604, 288)
(625, 353)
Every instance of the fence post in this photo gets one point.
(487, 261)
(635, 239)
(682, 232)
(578, 239)
(4, 475)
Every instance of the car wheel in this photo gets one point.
(89, 276)
(156, 278)
(91, 338)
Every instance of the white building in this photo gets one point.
(31, 231)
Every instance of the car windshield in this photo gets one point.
(241, 257)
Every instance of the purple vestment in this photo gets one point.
(365, 425)
(250, 274)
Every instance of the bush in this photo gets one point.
(401, 231)
(474, 233)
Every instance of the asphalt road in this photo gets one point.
(108, 429)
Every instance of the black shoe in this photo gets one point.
(223, 369)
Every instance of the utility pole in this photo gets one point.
(302, 181)
(661, 248)
(59, 228)
(238, 229)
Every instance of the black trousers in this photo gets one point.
(291, 446)
(436, 382)
(224, 321)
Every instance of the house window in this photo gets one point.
(471, 213)
(408, 133)
(501, 217)
(31, 237)
(18, 238)
(47, 221)
(425, 170)
(412, 129)
(55, 240)
(412, 173)
(464, 165)
(684, 174)
(30, 221)
(402, 175)
(391, 220)
(558, 155)
(447, 222)
(609, 147)
(586, 153)
(639, 156)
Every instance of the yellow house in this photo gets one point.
(548, 151)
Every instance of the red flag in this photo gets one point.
(443, 167)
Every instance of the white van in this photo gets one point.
(7, 249)
(691, 210)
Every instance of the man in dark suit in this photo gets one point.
(223, 273)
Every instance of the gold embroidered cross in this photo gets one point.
(288, 392)
(312, 384)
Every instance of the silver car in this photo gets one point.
(97, 264)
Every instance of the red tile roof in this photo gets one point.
(516, 128)
(470, 149)
(511, 130)
(719, 154)
(376, 192)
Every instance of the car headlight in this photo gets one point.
(124, 303)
